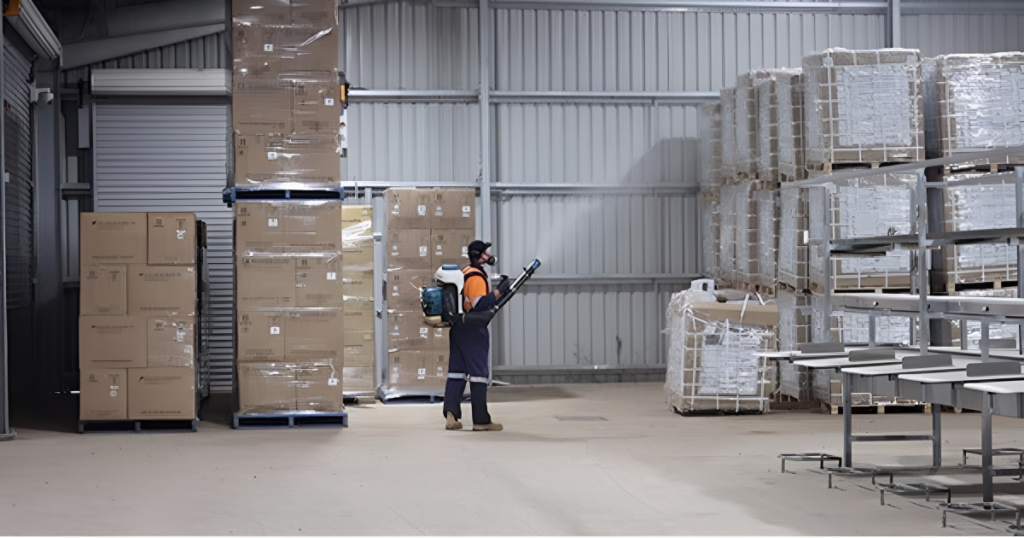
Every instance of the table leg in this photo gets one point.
(936, 435)
(847, 421)
(986, 447)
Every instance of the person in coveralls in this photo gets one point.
(469, 345)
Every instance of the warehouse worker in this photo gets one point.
(469, 345)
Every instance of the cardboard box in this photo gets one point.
(358, 320)
(358, 379)
(261, 11)
(261, 103)
(409, 249)
(104, 290)
(112, 238)
(172, 239)
(359, 350)
(265, 282)
(111, 342)
(316, 109)
(171, 342)
(406, 330)
(357, 238)
(162, 290)
(312, 226)
(435, 364)
(319, 386)
(315, 13)
(357, 283)
(103, 394)
(403, 288)
(408, 208)
(309, 162)
(751, 314)
(266, 387)
(161, 393)
(358, 304)
(450, 246)
(453, 209)
(289, 47)
(352, 215)
(318, 282)
(406, 370)
(314, 335)
(261, 336)
(259, 228)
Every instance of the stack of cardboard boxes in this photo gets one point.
(426, 229)
(357, 289)
(290, 330)
(138, 325)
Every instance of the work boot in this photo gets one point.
(492, 427)
(451, 423)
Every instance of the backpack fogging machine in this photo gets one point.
(442, 302)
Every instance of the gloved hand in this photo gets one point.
(504, 285)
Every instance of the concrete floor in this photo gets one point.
(642, 471)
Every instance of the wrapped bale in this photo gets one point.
(767, 208)
(978, 207)
(713, 364)
(789, 92)
(869, 206)
(863, 106)
(746, 123)
(728, 103)
(995, 330)
(728, 232)
(977, 104)
(767, 128)
(793, 236)
(710, 127)
(853, 328)
(794, 319)
(747, 257)
(711, 219)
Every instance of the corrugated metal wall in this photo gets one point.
(207, 52)
(952, 34)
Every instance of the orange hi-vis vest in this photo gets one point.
(473, 287)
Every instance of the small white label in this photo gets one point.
(421, 210)
(272, 223)
(275, 330)
(328, 102)
(268, 47)
(465, 252)
(396, 210)
(467, 211)
(424, 251)
(424, 331)
(113, 394)
(181, 234)
(332, 276)
(271, 155)
(439, 211)
(422, 371)
(332, 382)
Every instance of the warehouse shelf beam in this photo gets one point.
(685, 98)
(413, 96)
(530, 189)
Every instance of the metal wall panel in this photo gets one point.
(208, 52)
(953, 34)
(405, 142)
(411, 46)
(19, 181)
(173, 158)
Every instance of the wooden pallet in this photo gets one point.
(767, 292)
(950, 286)
(829, 408)
(138, 426)
(819, 289)
(289, 420)
(983, 166)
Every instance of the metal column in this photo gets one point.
(5, 418)
(986, 447)
(1019, 195)
(847, 421)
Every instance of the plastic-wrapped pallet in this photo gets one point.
(930, 108)
(793, 236)
(978, 103)
(767, 128)
(794, 319)
(789, 91)
(863, 106)
(870, 206)
(727, 232)
(746, 123)
(358, 289)
(747, 257)
(710, 127)
(712, 362)
(767, 203)
(853, 328)
(711, 221)
(978, 207)
(995, 330)
(728, 102)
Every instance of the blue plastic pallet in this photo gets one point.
(138, 426)
(289, 420)
(284, 191)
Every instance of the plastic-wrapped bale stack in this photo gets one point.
(767, 128)
(862, 106)
(978, 207)
(712, 363)
(747, 236)
(977, 104)
(728, 103)
(870, 206)
(789, 96)
(767, 207)
(746, 118)
(728, 232)
(854, 328)
(138, 326)
(794, 329)
(995, 330)
(426, 229)
(710, 127)
(793, 237)
(711, 234)
(357, 291)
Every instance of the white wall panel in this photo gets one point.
(952, 34)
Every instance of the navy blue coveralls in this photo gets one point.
(468, 347)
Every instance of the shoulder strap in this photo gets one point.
(468, 272)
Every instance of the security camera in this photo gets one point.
(46, 98)
(42, 96)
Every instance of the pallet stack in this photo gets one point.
(425, 229)
(286, 108)
(138, 324)
(357, 290)
(710, 125)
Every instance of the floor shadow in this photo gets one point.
(528, 393)
(54, 413)
(217, 409)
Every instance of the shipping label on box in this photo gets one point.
(266, 387)
(319, 386)
(450, 246)
(172, 239)
(409, 249)
(265, 282)
(314, 335)
(161, 393)
(261, 336)
(318, 283)
(112, 238)
(111, 342)
(171, 342)
(408, 208)
(162, 290)
(453, 209)
(104, 290)
(403, 288)
(103, 394)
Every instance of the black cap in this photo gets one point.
(479, 247)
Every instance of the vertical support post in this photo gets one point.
(897, 36)
(827, 307)
(5, 417)
(1019, 195)
(872, 320)
(986, 446)
(983, 344)
(936, 431)
(924, 331)
(368, 196)
(847, 421)
(484, 24)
